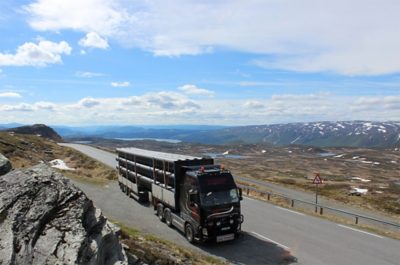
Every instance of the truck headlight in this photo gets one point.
(218, 223)
(205, 231)
(231, 221)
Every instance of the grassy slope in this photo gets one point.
(28, 150)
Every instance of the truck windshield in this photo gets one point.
(219, 197)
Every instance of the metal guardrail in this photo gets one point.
(321, 208)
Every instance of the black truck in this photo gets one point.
(190, 193)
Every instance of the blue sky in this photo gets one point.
(222, 62)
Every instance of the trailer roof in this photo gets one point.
(157, 155)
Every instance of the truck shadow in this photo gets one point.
(250, 250)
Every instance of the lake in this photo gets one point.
(326, 154)
(220, 155)
(173, 141)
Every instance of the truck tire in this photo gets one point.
(168, 217)
(160, 212)
(189, 233)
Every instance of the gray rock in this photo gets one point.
(5, 165)
(44, 219)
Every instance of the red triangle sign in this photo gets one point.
(317, 179)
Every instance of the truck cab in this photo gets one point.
(210, 203)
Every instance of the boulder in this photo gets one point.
(44, 219)
(5, 165)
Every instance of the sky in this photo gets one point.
(216, 62)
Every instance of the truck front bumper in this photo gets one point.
(220, 230)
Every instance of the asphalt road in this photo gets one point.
(272, 235)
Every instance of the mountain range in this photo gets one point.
(320, 134)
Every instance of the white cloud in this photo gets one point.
(169, 100)
(41, 54)
(88, 74)
(300, 97)
(26, 107)
(168, 107)
(43, 105)
(355, 37)
(120, 84)
(18, 107)
(159, 101)
(374, 103)
(93, 40)
(88, 102)
(9, 95)
(194, 90)
(102, 16)
(253, 104)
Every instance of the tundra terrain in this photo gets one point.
(342, 169)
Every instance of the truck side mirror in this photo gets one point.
(240, 194)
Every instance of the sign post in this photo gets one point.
(317, 180)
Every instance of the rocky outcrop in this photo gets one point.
(5, 165)
(44, 219)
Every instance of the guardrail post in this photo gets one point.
(292, 203)
(316, 208)
(247, 192)
(269, 196)
(356, 220)
(321, 211)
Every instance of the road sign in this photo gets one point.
(317, 179)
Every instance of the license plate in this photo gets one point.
(225, 237)
(225, 228)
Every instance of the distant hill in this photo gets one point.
(37, 129)
(156, 131)
(320, 134)
(10, 125)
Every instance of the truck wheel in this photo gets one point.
(189, 233)
(168, 217)
(160, 212)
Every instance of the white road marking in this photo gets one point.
(268, 239)
(289, 210)
(360, 231)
